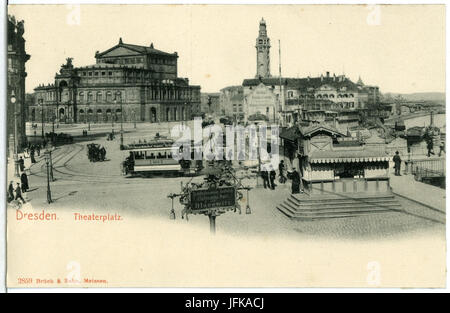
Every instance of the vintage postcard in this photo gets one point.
(225, 146)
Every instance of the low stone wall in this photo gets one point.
(348, 186)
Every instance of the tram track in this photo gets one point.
(65, 173)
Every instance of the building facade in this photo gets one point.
(232, 102)
(17, 57)
(136, 83)
(286, 100)
(210, 103)
(312, 98)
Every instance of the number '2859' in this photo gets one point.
(25, 280)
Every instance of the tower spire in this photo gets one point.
(262, 51)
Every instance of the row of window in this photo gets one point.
(98, 96)
(342, 105)
(99, 111)
(321, 96)
(171, 94)
(138, 60)
(236, 109)
(133, 60)
(163, 61)
(46, 96)
(97, 73)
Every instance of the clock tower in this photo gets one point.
(262, 52)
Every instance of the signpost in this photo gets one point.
(219, 194)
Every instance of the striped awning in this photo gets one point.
(349, 159)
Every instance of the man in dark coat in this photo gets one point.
(33, 160)
(397, 163)
(265, 177)
(103, 153)
(19, 193)
(430, 147)
(21, 164)
(281, 172)
(295, 176)
(272, 176)
(441, 147)
(10, 192)
(24, 181)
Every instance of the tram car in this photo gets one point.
(156, 157)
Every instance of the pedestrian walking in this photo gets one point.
(38, 150)
(19, 193)
(24, 182)
(397, 163)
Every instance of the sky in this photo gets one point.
(400, 48)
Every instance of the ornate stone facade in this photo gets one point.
(140, 80)
(17, 57)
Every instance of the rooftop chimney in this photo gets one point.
(328, 74)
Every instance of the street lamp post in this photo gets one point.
(41, 101)
(16, 158)
(47, 161)
(121, 124)
(88, 117)
(112, 118)
(134, 118)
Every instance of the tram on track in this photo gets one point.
(156, 157)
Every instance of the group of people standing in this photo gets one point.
(15, 192)
(269, 175)
(34, 149)
(96, 152)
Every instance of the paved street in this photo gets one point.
(147, 248)
(81, 185)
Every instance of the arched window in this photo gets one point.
(99, 96)
(90, 96)
(81, 96)
(108, 96)
(118, 96)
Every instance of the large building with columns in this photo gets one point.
(140, 80)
